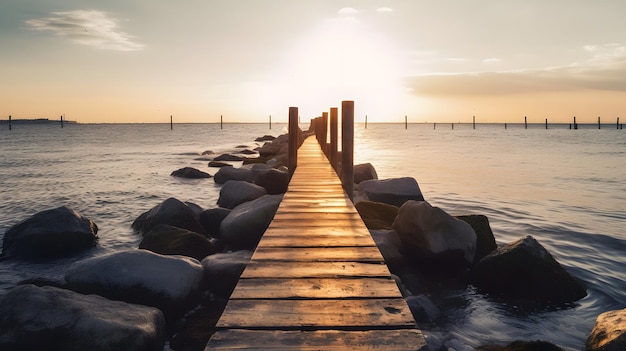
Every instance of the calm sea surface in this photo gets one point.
(564, 187)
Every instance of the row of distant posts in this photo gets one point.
(320, 126)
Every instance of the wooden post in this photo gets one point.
(525, 123)
(473, 122)
(575, 125)
(546, 123)
(270, 121)
(406, 122)
(365, 121)
(453, 126)
(61, 121)
(334, 129)
(599, 122)
(221, 122)
(504, 125)
(434, 125)
(171, 122)
(617, 124)
(347, 147)
(293, 139)
(10, 127)
(324, 141)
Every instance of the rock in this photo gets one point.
(231, 173)
(537, 345)
(265, 138)
(208, 152)
(49, 234)
(525, 269)
(432, 234)
(395, 191)
(389, 245)
(364, 171)
(609, 332)
(423, 310)
(273, 180)
(48, 318)
(222, 270)
(377, 215)
(169, 283)
(236, 192)
(219, 164)
(270, 149)
(253, 160)
(244, 226)
(168, 240)
(247, 152)
(212, 218)
(228, 157)
(190, 172)
(485, 240)
(171, 212)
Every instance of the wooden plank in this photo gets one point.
(358, 231)
(291, 223)
(318, 216)
(279, 269)
(333, 314)
(324, 340)
(318, 254)
(315, 241)
(318, 288)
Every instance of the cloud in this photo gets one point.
(384, 9)
(492, 60)
(87, 27)
(348, 11)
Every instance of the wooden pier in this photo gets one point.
(316, 281)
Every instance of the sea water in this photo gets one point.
(564, 187)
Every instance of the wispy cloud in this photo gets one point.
(492, 60)
(348, 11)
(384, 9)
(87, 27)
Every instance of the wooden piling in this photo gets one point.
(546, 123)
(61, 121)
(347, 147)
(599, 126)
(575, 125)
(435, 125)
(452, 126)
(293, 139)
(505, 125)
(324, 140)
(270, 121)
(525, 122)
(406, 122)
(473, 122)
(334, 130)
(617, 123)
(10, 127)
(221, 122)
(365, 121)
(171, 122)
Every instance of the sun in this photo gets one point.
(341, 59)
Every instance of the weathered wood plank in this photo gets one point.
(279, 269)
(335, 314)
(315, 241)
(318, 288)
(318, 254)
(323, 215)
(352, 223)
(359, 231)
(325, 340)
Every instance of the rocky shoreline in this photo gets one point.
(171, 291)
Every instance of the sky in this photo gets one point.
(119, 61)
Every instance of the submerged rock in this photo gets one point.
(171, 212)
(429, 233)
(190, 172)
(222, 270)
(525, 269)
(395, 191)
(609, 332)
(377, 215)
(167, 240)
(49, 234)
(244, 226)
(236, 192)
(169, 283)
(48, 318)
(265, 138)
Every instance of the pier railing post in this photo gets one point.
(334, 129)
(293, 139)
(324, 136)
(347, 147)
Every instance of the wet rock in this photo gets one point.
(212, 218)
(389, 245)
(208, 152)
(609, 332)
(228, 157)
(265, 138)
(253, 160)
(536, 345)
(377, 215)
(423, 310)
(485, 240)
(219, 164)
(365, 171)
(167, 240)
(525, 269)
(429, 233)
(395, 191)
(190, 172)
(48, 318)
(231, 173)
(244, 226)
(273, 180)
(169, 283)
(49, 234)
(236, 192)
(171, 212)
(247, 152)
(222, 270)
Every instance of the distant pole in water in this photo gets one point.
(406, 122)
(434, 125)
(365, 121)
(599, 122)
(221, 122)
(546, 123)
(12, 127)
(61, 121)
(575, 125)
(525, 123)
(617, 124)
(473, 122)
(452, 125)
(504, 125)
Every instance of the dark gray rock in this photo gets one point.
(219, 164)
(190, 172)
(236, 192)
(222, 270)
(395, 191)
(228, 157)
(48, 318)
(485, 240)
(423, 310)
(212, 218)
(169, 283)
(171, 212)
(231, 173)
(49, 234)
(265, 138)
(525, 269)
(244, 226)
(273, 180)
(167, 240)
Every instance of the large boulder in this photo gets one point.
(167, 240)
(485, 240)
(525, 269)
(169, 283)
(190, 172)
(273, 180)
(236, 192)
(244, 226)
(228, 157)
(364, 171)
(48, 318)
(429, 233)
(222, 270)
(48, 234)
(609, 332)
(270, 148)
(231, 173)
(395, 191)
(377, 215)
(212, 218)
(171, 212)
(389, 245)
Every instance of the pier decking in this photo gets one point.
(316, 281)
